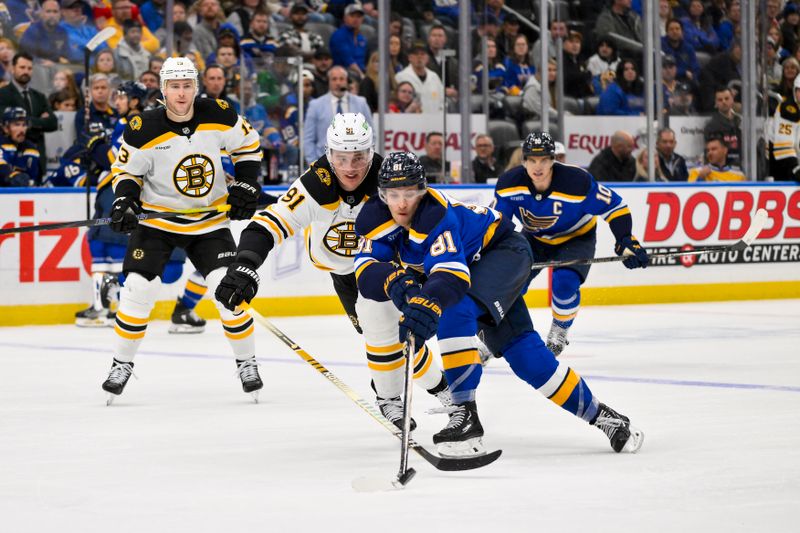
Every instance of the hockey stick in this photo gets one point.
(447, 464)
(755, 228)
(105, 221)
(99, 38)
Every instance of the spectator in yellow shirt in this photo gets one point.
(121, 10)
(717, 168)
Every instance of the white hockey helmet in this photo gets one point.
(349, 132)
(178, 68)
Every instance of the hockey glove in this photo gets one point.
(400, 287)
(420, 318)
(239, 284)
(243, 198)
(123, 214)
(637, 255)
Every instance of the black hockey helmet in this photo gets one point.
(134, 89)
(14, 114)
(538, 143)
(401, 169)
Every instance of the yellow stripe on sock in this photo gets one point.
(386, 367)
(132, 320)
(242, 335)
(456, 359)
(565, 390)
(128, 335)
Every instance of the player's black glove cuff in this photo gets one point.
(124, 213)
(243, 198)
(239, 284)
(400, 286)
(637, 255)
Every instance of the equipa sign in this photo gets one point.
(707, 219)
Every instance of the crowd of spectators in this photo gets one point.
(246, 52)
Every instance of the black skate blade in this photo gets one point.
(381, 484)
(454, 464)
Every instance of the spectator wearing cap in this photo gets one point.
(348, 46)
(620, 19)
(322, 110)
(122, 10)
(154, 14)
(205, 31)
(99, 110)
(322, 61)
(47, 38)
(79, 30)
(790, 27)
(577, 79)
(669, 79)
(672, 165)
(615, 162)
(674, 45)
(20, 164)
(297, 39)
(19, 93)
(716, 167)
(485, 165)
(681, 103)
(560, 152)
(131, 59)
(558, 30)
(426, 83)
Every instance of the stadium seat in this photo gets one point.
(513, 106)
(323, 29)
(503, 131)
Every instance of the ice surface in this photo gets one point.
(715, 387)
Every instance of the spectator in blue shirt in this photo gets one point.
(675, 45)
(348, 46)
(517, 68)
(625, 95)
(154, 14)
(79, 31)
(699, 31)
(47, 39)
(727, 27)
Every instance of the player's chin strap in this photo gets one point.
(759, 219)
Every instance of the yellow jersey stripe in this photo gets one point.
(158, 140)
(566, 197)
(282, 220)
(314, 261)
(333, 205)
(438, 196)
(487, 237)
(565, 390)
(249, 147)
(380, 229)
(456, 273)
(617, 214)
(512, 191)
(577, 233)
(275, 230)
(361, 268)
(185, 228)
(213, 126)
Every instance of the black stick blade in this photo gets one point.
(454, 464)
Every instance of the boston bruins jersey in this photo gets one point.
(316, 205)
(179, 165)
(785, 137)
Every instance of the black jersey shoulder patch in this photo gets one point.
(150, 125)
(214, 111)
(320, 182)
(790, 111)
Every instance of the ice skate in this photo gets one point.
(557, 339)
(623, 436)
(462, 436)
(92, 318)
(392, 410)
(117, 379)
(186, 320)
(445, 399)
(248, 373)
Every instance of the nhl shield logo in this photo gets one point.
(194, 176)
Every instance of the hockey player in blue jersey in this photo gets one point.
(473, 268)
(558, 206)
(19, 157)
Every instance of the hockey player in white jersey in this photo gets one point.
(323, 204)
(785, 160)
(170, 159)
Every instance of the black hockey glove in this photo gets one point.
(637, 255)
(123, 214)
(400, 287)
(239, 284)
(420, 318)
(243, 198)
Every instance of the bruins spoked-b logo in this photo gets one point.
(194, 176)
(342, 239)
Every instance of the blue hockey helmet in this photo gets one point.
(14, 114)
(133, 89)
(538, 143)
(401, 169)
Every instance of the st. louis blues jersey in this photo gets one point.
(179, 165)
(444, 238)
(316, 206)
(567, 209)
(22, 158)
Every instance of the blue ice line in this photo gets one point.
(617, 379)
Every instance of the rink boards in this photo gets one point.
(45, 276)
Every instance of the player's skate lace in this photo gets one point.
(446, 401)
(458, 413)
(557, 339)
(248, 370)
(120, 372)
(391, 408)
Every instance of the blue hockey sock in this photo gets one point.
(194, 290)
(566, 296)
